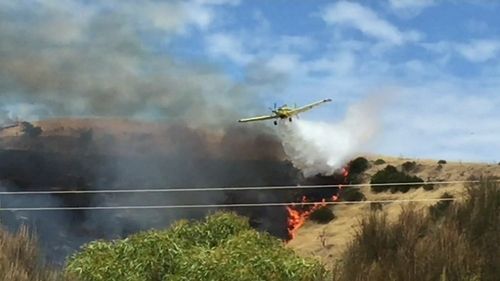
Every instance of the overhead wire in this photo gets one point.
(235, 205)
(229, 188)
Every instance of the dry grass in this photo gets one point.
(20, 259)
(464, 244)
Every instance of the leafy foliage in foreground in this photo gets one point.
(391, 175)
(223, 247)
(463, 244)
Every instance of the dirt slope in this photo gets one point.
(328, 241)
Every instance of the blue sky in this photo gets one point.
(438, 61)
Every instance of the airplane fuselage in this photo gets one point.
(284, 112)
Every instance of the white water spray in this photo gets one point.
(322, 148)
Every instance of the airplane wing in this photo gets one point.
(258, 118)
(309, 106)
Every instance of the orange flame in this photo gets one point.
(298, 216)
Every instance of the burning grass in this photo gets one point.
(464, 244)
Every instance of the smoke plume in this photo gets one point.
(81, 58)
(321, 148)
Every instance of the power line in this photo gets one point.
(229, 188)
(237, 205)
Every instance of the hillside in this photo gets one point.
(328, 241)
(109, 153)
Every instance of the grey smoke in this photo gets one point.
(110, 59)
(322, 148)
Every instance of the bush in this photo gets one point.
(322, 215)
(409, 166)
(439, 209)
(391, 175)
(352, 194)
(358, 165)
(31, 131)
(223, 247)
(428, 187)
(356, 168)
(379, 162)
(463, 245)
(442, 162)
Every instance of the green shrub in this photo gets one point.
(352, 194)
(30, 130)
(439, 209)
(428, 187)
(356, 168)
(409, 166)
(379, 162)
(223, 247)
(391, 175)
(442, 162)
(358, 165)
(322, 215)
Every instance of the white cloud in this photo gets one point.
(283, 63)
(172, 16)
(226, 46)
(368, 22)
(479, 50)
(218, 2)
(444, 120)
(410, 8)
(476, 26)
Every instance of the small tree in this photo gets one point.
(409, 166)
(439, 209)
(379, 162)
(30, 130)
(356, 169)
(358, 165)
(391, 175)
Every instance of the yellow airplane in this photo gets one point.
(284, 112)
